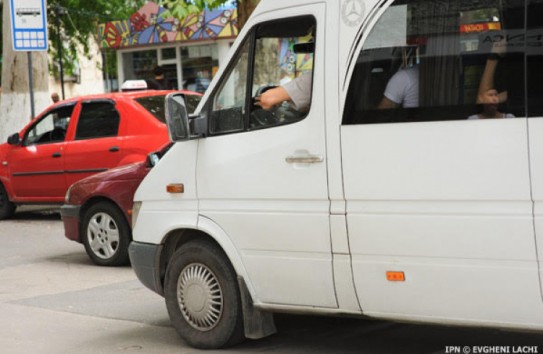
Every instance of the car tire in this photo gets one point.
(7, 208)
(106, 234)
(202, 296)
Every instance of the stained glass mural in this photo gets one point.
(147, 26)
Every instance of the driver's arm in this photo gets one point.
(272, 97)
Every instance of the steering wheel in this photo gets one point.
(263, 89)
(283, 112)
(259, 116)
(58, 134)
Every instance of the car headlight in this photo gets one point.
(135, 213)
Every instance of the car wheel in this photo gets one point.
(106, 234)
(7, 208)
(202, 296)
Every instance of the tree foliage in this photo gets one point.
(77, 21)
(182, 8)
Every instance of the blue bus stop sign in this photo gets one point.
(29, 25)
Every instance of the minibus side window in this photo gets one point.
(228, 110)
(440, 60)
(534, 42)
(275, 54)
(283, 58)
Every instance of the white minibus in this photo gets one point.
(375, 158)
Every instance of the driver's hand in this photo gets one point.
(271, 98)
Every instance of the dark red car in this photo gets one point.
(97, 211)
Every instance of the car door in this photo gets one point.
(97, 144)
(262, 174)
(36, 167)
(439, 208)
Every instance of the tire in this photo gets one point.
(202, 296)
(7, 208)
(106, 234)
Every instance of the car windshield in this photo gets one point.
(155, 105)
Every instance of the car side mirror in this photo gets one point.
(177, 117)
(14, 139)
(152, 159)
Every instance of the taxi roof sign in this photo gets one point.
(133, 85)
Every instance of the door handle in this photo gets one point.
(56, 155)
(305, 159)
(114, 149)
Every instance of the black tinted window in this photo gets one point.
(534, 43)
(429, 60)
(98, 119)
(155, 105)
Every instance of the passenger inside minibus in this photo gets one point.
(422, 63)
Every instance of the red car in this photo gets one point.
(98, 209)
(79, 137)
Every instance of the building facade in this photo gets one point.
(189, 51)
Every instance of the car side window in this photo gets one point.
(266, 60)
(98, 119)
(51, 128)
(440, 60)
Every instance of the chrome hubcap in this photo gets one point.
(199, 296)
(103, 235)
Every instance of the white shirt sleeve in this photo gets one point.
(299, 90)
(403, 87)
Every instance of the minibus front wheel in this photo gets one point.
(202, 296)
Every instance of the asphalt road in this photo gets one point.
(54, 300)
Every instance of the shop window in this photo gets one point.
(426, 61)
(168, 53)
(139, 65)
(199, 63)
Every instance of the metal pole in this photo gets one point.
(105, 74)
(59, 44)
(31, 84)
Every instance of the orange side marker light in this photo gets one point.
(395, 276)
(175, 188)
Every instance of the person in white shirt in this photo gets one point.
(490, 101)
(402, 89)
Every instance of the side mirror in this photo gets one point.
(155, 156)
(14, 139)
(177, 117)
(152, 159)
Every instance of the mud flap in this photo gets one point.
(257, 324)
